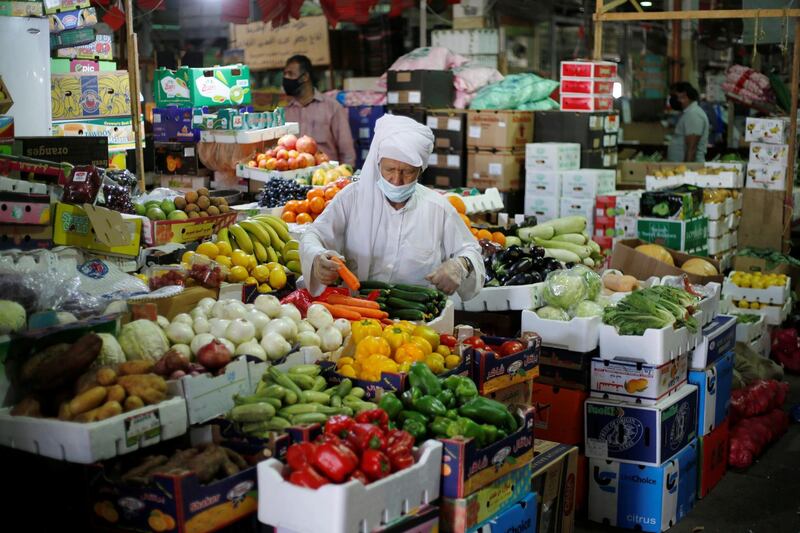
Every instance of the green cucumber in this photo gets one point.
(374, 285)
(415, 288)
(408, 314)
(410, 296)
(399, 303)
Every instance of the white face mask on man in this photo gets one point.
(396, 193)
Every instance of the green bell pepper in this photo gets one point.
(421, 377)
(465, 390)
(489, 412)
(430, 406)
(391, 404)
(464, 427)
(452, 414)
(490, 432)
(451, 382)
(409, 396)
(439, 426)
(416, 428)
(411, 415)
(447, 398)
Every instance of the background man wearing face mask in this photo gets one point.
(320, 117)
(389, 228)
(690, 140)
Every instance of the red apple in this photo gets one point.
(270, 153)
(342, 182)
(282, 154)
(307, 158)
(321, 157)
(288, 141)
(281, 165)
(306, 145)
(292, 162)
(262, 163)
(293, 154)
(272, 163)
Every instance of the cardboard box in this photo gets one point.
(559, 413)
(20, 9)
(184, 183)
(755, 264)
(544, 208)
(769, 154)
(362, 84)
(177, 158)
(118, 130)
(565, 368)
(174, 124)
(25, 237)
(413, 112)
(519, 394)
(212, 86)
(680, 203)
(771, 177)
(462, 514)
(70, 20)
(590, 130)
(586, 86)
(100, 49)
(470, 42)
(634, 172)
(6, 129)
(471, 8)
(6, 101)
(649, 498)
(581, 207)
(82, 95)
(56, 6)
(767, 130)
(600, 158)
(491, 372)
(636, 382)
(25, 209)
(158, 232)
(588, 69)
(519, 518)
(641, 434)
(444, 178)
(501, 130)
(69, 38)
(425, 88)
(616, 227)
(718, 339)
(172, 306)
(97, 229)
(712, 458)
(689, 236)
(501, 170)
(65, 66)
(641, 266)
(588, 183)
(553, 156)
(714, 393)
(618, 204)
(542, 182)
(87, 151)
(586, 103)
(362, 121)
(470, 23)
(449, 129)
(555, 470)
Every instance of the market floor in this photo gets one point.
(763, 499)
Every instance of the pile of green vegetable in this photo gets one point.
(572, 293)
(447, 408)
(742, 318)
(406, 302)
(652, 308)
(564, 239)
(299, 396)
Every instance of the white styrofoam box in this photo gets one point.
(655, 347)
(736, 166)
(715, 211)
(553, 156)
(352, 506)
(486, 202)
(767, 130)
(544, 208)
(470, 8)
(445, 322)
(774, 154)
(588, 69)
(732, 221)
(765, 346)
(577, 335)
(511, 298)
(724, 180)
(718, 228)
(717, 339)
(95, 441)
(591, 86)
(588, 182)
(579, 206)
(586, 102)
(747, 332)
(719, 244)
(770, 295)
(543, 182)
(483, 60)
(774, 315)
(771, 177)
(478, 41)
(635, 382)
(656, 183)
(726, 262)
(736, 203)
(709, 305)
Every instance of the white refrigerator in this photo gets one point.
(25, 69)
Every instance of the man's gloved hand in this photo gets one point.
(448, 277)
(324, 269)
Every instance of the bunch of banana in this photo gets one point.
(267, 237)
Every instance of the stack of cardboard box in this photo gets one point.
(769, 153)
(615, 218)
(471, 15)
(596, 132)
(586, 86)
(496, 142)
(674, 218)
(447, 164)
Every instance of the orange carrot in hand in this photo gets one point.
(340, 299)
(348, 277)
(339, 311)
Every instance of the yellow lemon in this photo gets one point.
(224, 260)
(224, 248)
(264, 288)
(277, 278)
(251, 281)
(187, 257)
(261, 273)
(252, 262)
(208, 249)
(239, 258)
(238, 273)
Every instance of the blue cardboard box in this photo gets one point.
(642, 434)
(174, 124)
(713, 393)
(362, 121)
(492, 372)
(719, 338)
(650, 498)
(519, 518)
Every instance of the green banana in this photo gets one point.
(242, 238)
(280, 227)
(275, 241)
(291, 255)
(258, 231)
(291, 245)
(222, 236)
(260, 252)
(294, 266)
(272, 255)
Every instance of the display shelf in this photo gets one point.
(249, 136)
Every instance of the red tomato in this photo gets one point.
(475, 342)
(448, 340)
(511, 347)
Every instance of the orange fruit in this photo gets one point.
(484, 234)
(330, 192)
(291, 205)
(316, 205)
(458, 203)
(315, 193)
(304, 218)
(466, 220)
(499, 238)
(302, 206)
(288, 216)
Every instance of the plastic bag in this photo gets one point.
(513, 91)
(548, 104)
(82, 186)
(752, 367)
(470, 78)
(564, 288)
(429, 58)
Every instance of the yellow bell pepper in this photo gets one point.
(367, 327)
(344, 361)
(451, 361)
(404, 367)
(429, 334)
(443, 350)
(372, 346)
(373, 365)
(410, 353)
(347, 371)
(406, 326)
(395, 336)
(427, 349)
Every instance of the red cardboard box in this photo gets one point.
(713, 457)
(559, 413)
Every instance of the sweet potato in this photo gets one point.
(94, 397)
(140, 473)
(108, 409)
(236, 458)
(56, 366)
(116, 393)
(106, 376)
(132, 403)
(206, 464)
(64, 412)
(88, 416)
(28, 406)
(132, 368)
(149, 387)
(32, 365)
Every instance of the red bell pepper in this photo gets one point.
(400, 449)
(335, 461)
(375, 464)
(307, 477)
(377, 417)
(366, 436)
(359, 475)
(300, 455)
(339, 425)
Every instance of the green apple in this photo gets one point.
(168, 206)
(141, 210)
(177, 215)
(155, 213)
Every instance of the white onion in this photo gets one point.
(305, 325)
(269, 305)
(258, 319)
(240, 331)
(275, 346)
(183, 317)
(199, 341)
(180, 333)
(201, 325)
(182, 349)
(308, 338)
(343, 325)
(198, 312)
(162, 321)
(206, 304)
(284, 327)
(319, 316)
(251, 347)
(291, 312)
(331, 339)
(218, 326)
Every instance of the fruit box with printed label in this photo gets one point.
(520, 517)
(552, 156)
(519, 394)
(565, 368)
(467, 468)
(174, 124)
(636, 382)
(714, 393)
(449, 129)
(255, 449)
(542, 182)
(24, 209)
(683, 235)
(499, 129)
(767, 130)
(25, 236)
(717, 339)
(362, 121)
(772, 154)
(619, 204)
(79, 95)
(588, 69)
(647, 498)
(643, 434)
(501, 170)
(554, 480)
(119, 130)
(588, 182)
(158, 232)
(97, 229)
(102, 48)
(559, 413)
(212, 86)
(177, 158)
(713, 458)
(20, 9)
(176, 502)
(424, 88)
(462, 514)
(492, 372)
(544, 208)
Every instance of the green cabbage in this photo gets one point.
(593, 282)
(588, 308)
(549, 312)
(564, 288)
(143, 339)
(12, 317)
(111, 353)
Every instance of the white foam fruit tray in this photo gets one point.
(446, 322)
(770, 295)
(655, 347)
(577, 335)
(749, 332)
(511, 298)
(774, 315)
(249, 136)
(350, 507)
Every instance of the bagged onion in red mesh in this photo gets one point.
(739, 456)
(83, 184)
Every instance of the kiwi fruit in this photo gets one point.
(216, 200)
(202, 191)
(192, 208)
(191, 197)
(202, 214)
(180, 203)
(203, 202)
(213, 210)
(193, 214)
(224, 209)
(223, 201)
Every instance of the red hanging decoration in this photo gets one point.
(114, 17)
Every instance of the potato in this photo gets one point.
(132, 403)
(132, 368)
(116, 393)
(64, 412)
(108, 409)
(28, 406)
(106, 376)
(56, 366)
(88, 416)
(88, 400)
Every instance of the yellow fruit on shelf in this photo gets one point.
(422, 343)
(429, 334)
(435, 362)
(250, 280)
(187, 257)
(273, 265)
(347, 371)
(224, 248)
(443, 350)
(277, 278)
(345, 361)
(264, 288)
(239, 258)
(238, 274)
(451, 361)
(743, 304)
(208, 249)
(224, 260)
(252, 262)
(261, 273)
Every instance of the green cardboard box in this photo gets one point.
(197, 87)
(690, 236)
(679, 203)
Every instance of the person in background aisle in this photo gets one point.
(690, 139)
(390, 228)
(320, 117)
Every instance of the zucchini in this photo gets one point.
(564, 225)
(306, 370)
(581, 251)
(373, 285)
(309, 418)
(573, 238)
(416, 288)
(408, 314)
(410, 296)
(273, 391)
(309, 396)
(302, 381)
(399, 303)
(252, 412)
(536, 232)
(565, 256)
